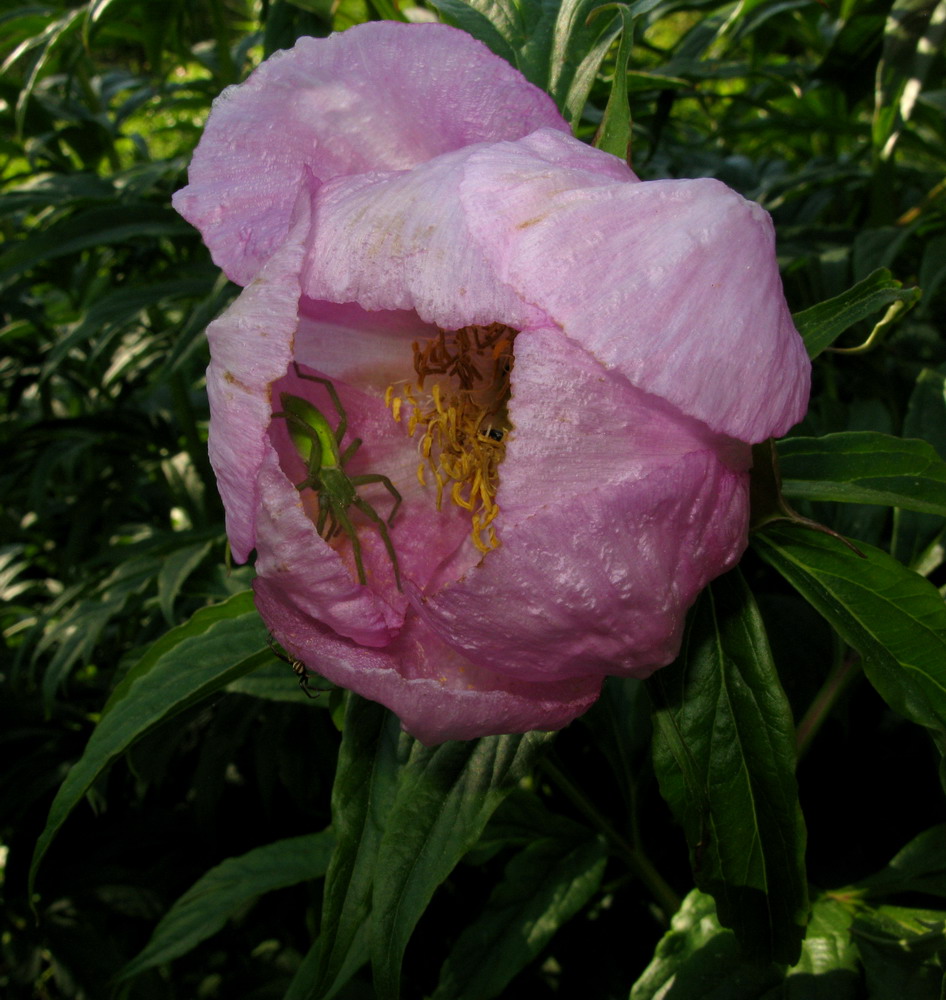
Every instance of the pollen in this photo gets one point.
(460, 418)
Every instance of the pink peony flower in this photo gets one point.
(572, 361)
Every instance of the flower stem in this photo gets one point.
(836, 683)
(637, 861)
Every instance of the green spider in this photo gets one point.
(318, 446)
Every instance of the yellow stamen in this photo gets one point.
(463, 418)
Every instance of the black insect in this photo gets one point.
(298, 668)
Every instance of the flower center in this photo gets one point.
(462, 417)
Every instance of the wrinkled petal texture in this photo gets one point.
(251, 347)
(379, 186)
(673, 283)
(316, 112)
(616, 511)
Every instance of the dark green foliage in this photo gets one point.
(244, 841)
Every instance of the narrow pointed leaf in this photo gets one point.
(227, 889)
(614, 134)
(94, 227)
(556, 46)
(186, 665)
(444, 798)
(821, 325)
(915, 534)
(365, 779)
(864, 467)
(892, 616)
(913, 36)
(724, 753)
(542, 887)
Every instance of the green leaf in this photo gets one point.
(614, 133)
(181, 669)
(902, 951)
(913, 36)
(301, 986)
(697, 959)
(619, 725)
(175, 570)
(226, 890)
(93, 227)
(404, 815)
(822, 324)
(556, 46)
(892, 616)
(542, 887)
(365, 782)
(724, 753)
(864, 467)
(828, 968)
(919, 867)
(915, 535)
(119, 309)
(387, 10)
(39, 191)
(443, 800)
(276, 681)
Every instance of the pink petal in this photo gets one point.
(312, 577)
(407, 248)
(437, 694)
(250, 347)
(380, 96)
(614, 512)
(673, 283)
(407, 237)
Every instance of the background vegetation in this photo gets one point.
(577, 850)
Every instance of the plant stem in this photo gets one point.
(638, 862)
(836, 683)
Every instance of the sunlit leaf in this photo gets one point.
(822, 324)
(892, 616)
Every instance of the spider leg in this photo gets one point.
(349, 530)
(323, 515)
(349, 452)
(370, 512)
(388, 485)
(336, 402)
(313, 464)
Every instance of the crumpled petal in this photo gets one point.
(380, 96)
(674, 283)
(615, 511)
(437, 694)
(378, 187)
(250, 347)
(409, 239)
